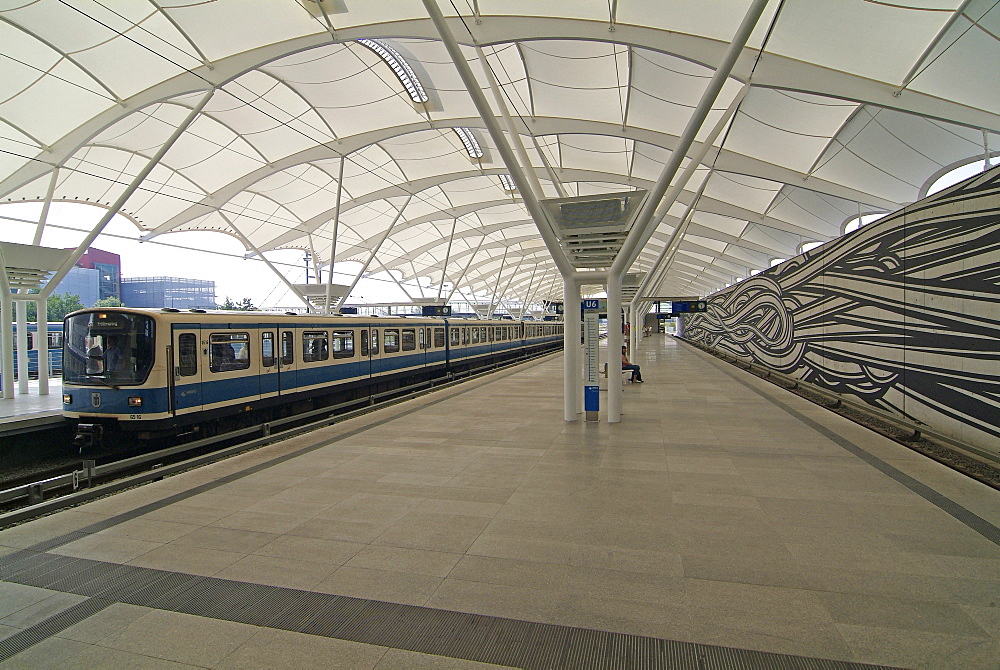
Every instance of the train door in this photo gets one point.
(270, 378)
(188, 358)
(366, 353)
(378, 365)
(287, 362)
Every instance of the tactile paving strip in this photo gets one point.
(472, 637)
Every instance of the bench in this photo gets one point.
(626, 374)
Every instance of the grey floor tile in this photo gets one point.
(204, 642)
(901, 614)
(283, 649)
(50, 653)
(54, 603)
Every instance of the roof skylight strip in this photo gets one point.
(407, 77)
(508, 183)
(470, 142)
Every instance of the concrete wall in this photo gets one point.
(903, 314)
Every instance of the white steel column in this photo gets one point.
(333, 242)
(454, 285)
(503, 147)
(636, 331)
(378, 246)
(614, 347)
(447, 257)
(496, 288)
(42, 318)
(644, 225)
(123, 198)
(393, 278)
(6, 334)
(21, 310)
(41, 306)
(269, 264)
(572, 377)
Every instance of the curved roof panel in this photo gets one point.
(849, 107)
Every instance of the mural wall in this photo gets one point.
(903, 314)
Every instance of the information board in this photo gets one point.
(591, 342)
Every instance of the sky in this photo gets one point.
(178, 255)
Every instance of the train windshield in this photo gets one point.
(109, 348)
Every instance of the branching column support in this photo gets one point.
(522, 182)
(333, 242)
(496, 288)
(41, 306)
(123, 198)
(393, 278)
(458, 281)
(378, 246)
(269, 264)
(447, 257)
(645, 223)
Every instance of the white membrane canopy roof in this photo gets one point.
(853, 107)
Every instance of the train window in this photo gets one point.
(364, 342)
(315, 346)
(482, 334)
(374, 342)
(229, 351)
(409, 340)
(439, 338)
(55, 339)
(187, 354)
(343, 344)
(391, 340)
(267, 349)
(287, 347)
(475, 336)
(456, 337)
(423, 333)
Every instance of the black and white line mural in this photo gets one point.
(903, 314)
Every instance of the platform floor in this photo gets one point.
(724, 523)
(25, 411)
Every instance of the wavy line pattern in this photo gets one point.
(903, 314)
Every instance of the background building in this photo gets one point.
(168, 292)
(97, 275)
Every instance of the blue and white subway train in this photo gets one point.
(147, 373)
(55, 335)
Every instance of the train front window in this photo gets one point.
(109, 348)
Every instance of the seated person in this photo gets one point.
(626, 365)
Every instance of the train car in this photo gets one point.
(149, 372)
(55, 335)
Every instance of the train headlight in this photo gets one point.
(135, 401)
(67, 399)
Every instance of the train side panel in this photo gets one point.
(187, 369)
